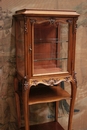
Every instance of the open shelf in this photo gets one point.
(46, 126)
(43, 94)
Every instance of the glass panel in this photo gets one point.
(63, 43)
(20, 46)
(50, 47)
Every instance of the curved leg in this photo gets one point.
(17, 102)
(72, 102)
(26, 108)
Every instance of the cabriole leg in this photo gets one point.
(26, 108)
(72, 102)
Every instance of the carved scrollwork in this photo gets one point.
(25, 27)
(50, 81)
(26, 85)
(25, 24)
(74, 77)
(67, 79)
(52, 21)
(75, 25)
(34, 82)
(49, 20)
(32, 21)
(70, 21)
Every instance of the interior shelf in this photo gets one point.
(48, 59)
(48, 70)
(46, 126)
(43, 94)
(51, 42)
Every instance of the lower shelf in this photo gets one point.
(46, 126)
(44, 94)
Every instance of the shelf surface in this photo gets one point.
(46, 70)
(43, 94)
(46, 126)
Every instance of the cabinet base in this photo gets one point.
(46, 126)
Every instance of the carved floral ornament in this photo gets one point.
(51, 21)
(50, 81)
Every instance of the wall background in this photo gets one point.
(7, 65)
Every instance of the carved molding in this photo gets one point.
(49, 81)
(49, 20)
(52, 21)
(75, 25)
(74, 77)
(25, 24)
(32, 21)
(70, 21)
(26, 86)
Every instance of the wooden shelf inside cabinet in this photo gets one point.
(43, 94)
(46, 126)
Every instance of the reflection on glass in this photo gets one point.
(50, 48)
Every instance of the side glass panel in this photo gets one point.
(50, 47)
(20, 46)
(63, 43)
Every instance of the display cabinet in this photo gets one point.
(45, 57)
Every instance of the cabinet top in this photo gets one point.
(40, 12)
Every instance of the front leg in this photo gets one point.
(25, 93)
(72, 102)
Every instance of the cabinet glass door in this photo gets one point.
(50, 47)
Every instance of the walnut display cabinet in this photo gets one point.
(45, 57)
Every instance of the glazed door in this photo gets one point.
(50, 43)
